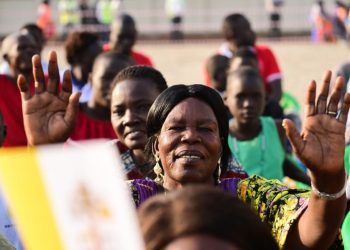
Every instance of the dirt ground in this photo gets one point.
(300, 60)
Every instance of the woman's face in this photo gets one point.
(131, 100)
(189, 143)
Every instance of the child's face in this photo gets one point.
(245, 99)
(131, 101)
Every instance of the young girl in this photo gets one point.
(256, 141)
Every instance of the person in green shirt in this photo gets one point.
(257, 142)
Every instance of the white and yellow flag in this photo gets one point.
(71, 198)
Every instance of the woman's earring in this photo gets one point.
(219, 169)
(158, 171)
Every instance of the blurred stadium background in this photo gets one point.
(201, 16)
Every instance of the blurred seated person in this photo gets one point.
(81, 48)
(18, 50)
(217, 67)
(202, 218)
(237, 33)
(123, 37)
(94, 116)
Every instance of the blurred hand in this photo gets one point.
(49, 115)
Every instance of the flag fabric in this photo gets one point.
(69, 197)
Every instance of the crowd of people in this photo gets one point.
(205, 163)
(329, 26)
(97, 16)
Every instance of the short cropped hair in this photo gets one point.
(141, 72)
(244, 72)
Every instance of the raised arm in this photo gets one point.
(49, 114)
(321, 147)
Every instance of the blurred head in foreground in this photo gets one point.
(198, 217)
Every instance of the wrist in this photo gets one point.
(328, 183)
(330, 191)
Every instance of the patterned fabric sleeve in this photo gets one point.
(275, 204)
(142, 189)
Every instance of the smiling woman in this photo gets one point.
(188, 129)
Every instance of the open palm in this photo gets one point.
(322, 141)
(49, 115)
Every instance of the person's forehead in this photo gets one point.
(191, 107)
(244, 84)
(143, 87)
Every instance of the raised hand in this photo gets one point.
(322, 142)
(50, 114)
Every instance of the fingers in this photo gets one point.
(72, 109)
(322, 97)
(54, 77)
(23, 88)
(293, 135)
(66, 86)
(335, 97)
(67, 82)
(343, 116)
(310, 99)
(38, 74)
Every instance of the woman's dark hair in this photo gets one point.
(203, 210)
(141, 72)
(76, 43)
(172, 96)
